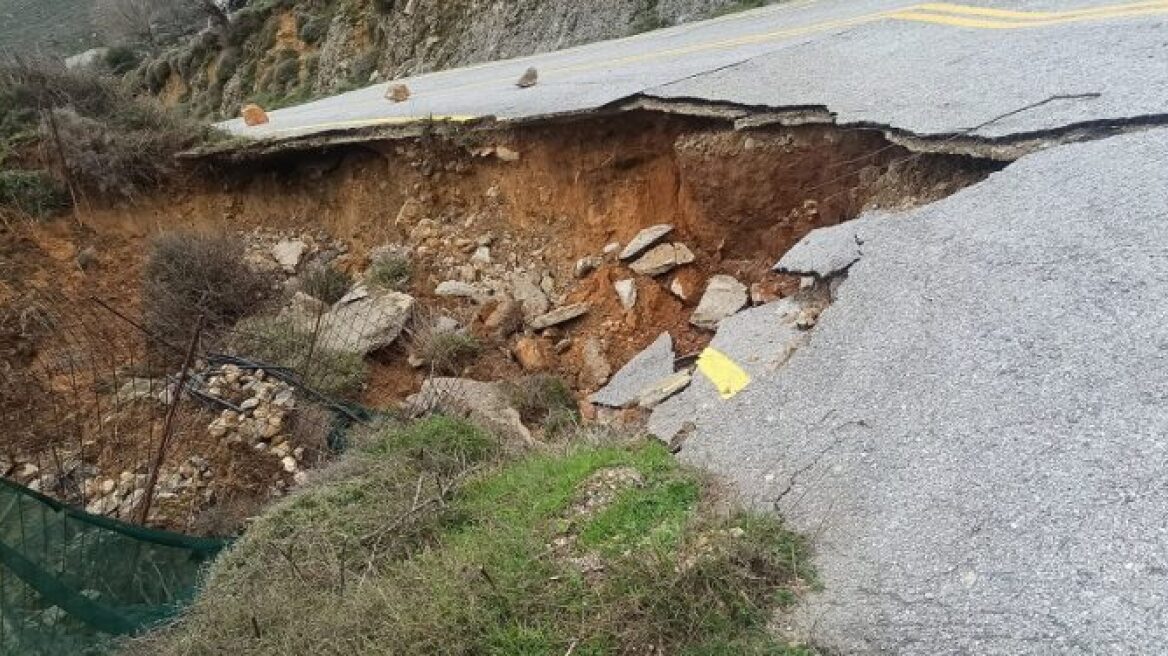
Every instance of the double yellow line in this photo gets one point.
(988, 18)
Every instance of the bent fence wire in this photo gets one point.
(122, 463)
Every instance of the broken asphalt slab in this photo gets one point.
(826, 252)
(974, 437)
(647, 368)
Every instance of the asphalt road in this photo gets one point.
(928, 69)
(974, 434)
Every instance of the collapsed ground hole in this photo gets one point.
(539, 198)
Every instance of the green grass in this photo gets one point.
(390, 272)
(424, 539)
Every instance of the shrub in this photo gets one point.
(314, 27)
(278, 341)
(390, 271)
(32, 193)
(121, 60)
(187, 276)
(228, 64)
(445, 349)
(325, 283)
(542, 399)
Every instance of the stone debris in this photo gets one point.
(646, 369)
(506, 319)
(723, 297)
(531, 354)
(655, 394)
(506, 154)
(587, 265)
(626, 291)
(460, 289)
(560, 315)
(482, 255)
(662, 259)
(397, 93)
(611, 248)
(596, 366)
(525, 289)
(253, 115)
(678, 289)
(485, 403)
(644, 239)
(363, 325)
(288, 253)
(529, 78)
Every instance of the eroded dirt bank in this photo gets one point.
(531, 214)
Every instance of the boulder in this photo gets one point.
(525, 289)
(253, 115)
(459, 289)
(644, 240)
(486, 404)
(397, 93)
(530, 353)
(596, 366)
(365, 324)
(288, 253)
(505, 319)
(723, 297)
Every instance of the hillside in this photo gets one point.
(279, 52)
(61, 27)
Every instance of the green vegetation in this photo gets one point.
(327, 283)
(281, 342)
(31, 193)
(390, 271)
(445, 348)
(425, 539)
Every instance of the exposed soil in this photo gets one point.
(551, 195)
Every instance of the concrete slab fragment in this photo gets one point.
(645, 369)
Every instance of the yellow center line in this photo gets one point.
(1010, 14)
(992, 24)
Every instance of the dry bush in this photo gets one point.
(442, 344)
(390, 271)
(325, 283)
(543, 399)
(114, 143)
(188, 276)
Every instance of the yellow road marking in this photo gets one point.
(992, 24)
(1011, 14)
(724, 373)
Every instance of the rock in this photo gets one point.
(506, 154)
(560, 315)
(288, 253)
(678, 289)
(253, 115)
(103, 505)
(626, 291)
(530, 353)
(397, 93)
(526, 290)
(596, 366)
(723, 297)
(528, 79)
(662, 259)
(289, 464)
(764, 292)
(505, 319)
(653, 395)
(365, 324)
(86, 258)
(249, 404)
(646, 369)
(587, 265)
(610, 248)
(482, 255)
(138, 388)
(459, 289)
(644, 240)
(487, 404)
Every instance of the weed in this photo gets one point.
(279, 341)
(438, 341)
(390, 271)
(544, 400)
(32, 193)
(325, 283)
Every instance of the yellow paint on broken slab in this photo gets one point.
(724, 373)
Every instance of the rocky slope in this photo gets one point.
(278, 52)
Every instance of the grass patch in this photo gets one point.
(32, 193)
(281, 342)
(545, 400)
(425, 540)
(390, 271)
(445, 348)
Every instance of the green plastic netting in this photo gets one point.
(70, 582)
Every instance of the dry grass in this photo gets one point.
(325, 283)
(390, 271)
(427, 540)
(446, 349)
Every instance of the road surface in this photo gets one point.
(928, 69)
(975, 436)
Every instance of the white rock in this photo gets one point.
(290, 464)
(288, 253)
(644, 240)
(482, 255)
(560, 315)
(366, 324)
(459, 289)
(723, 297)
(626, 291)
